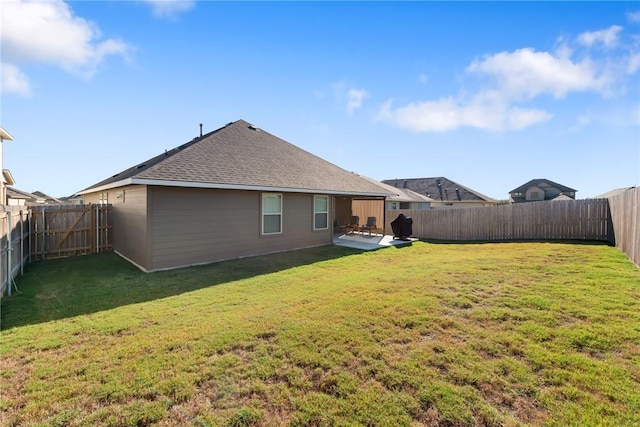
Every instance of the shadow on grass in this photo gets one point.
(59, 289)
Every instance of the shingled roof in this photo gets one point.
(538, 181)
(439, 189)
(242, 156)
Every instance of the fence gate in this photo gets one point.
(61, 231)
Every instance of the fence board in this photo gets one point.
(50, 231)
(625, 215)
(14, 229)
(559, 220)
(61, 231)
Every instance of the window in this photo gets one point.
(271, 213)
(104, 198)
(320, 212)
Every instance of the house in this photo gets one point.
(235, 192)
(405, 199)
(50, 200)
(443, 192)
(17, 197)
(74, 199)
(541, 189)
(6, 178)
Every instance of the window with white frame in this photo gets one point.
(271, 213)
(320, 212)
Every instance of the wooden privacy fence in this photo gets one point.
(61, 231)
(14, 229)
(51, 231)
(625, 216)
(560, 220)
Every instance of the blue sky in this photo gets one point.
(488, 94)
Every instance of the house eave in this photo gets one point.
(7, 177)
(217, 186)
(4, 135)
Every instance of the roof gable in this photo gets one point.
(240, 155)
(538, 182)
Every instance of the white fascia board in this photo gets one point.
(106, 186)
(4, 135)
(7, 177)
(188, 184)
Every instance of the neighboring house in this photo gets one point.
(405, 199)
(443, 192)
(539, 190)
(74, 199)
(6, 178)
(235, 192)
(17, 197)
(50, 200)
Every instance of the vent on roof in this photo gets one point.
(200, 129)
(140, 166)
(252, 127)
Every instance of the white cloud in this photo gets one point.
(47, 32)
(351, 98)
(633, 63)
(525, 73)
(608, 37)
(355, 98)
(518, 118)
(169, 8)
(447, 114)
(633, 16)
(510, 80)
(14, 80)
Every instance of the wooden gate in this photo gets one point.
(61, 231)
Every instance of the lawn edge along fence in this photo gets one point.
(615, 220)
(31, 233)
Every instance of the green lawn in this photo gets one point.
(431, 334)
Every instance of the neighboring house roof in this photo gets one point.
(242, 156)
(14, 193)
(439, 189)
(562, 196)
(5, 135)
(402, 194)
(47, 197)
(536, 182)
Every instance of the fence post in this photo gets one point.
(9, 225)
(97, 229)
(21, 242)
(44, 233)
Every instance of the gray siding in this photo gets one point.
(129, 221)
(194, 226)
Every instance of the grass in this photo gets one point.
(432, 334)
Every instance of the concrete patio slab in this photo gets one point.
(367, 242)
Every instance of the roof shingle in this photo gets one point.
(241, 155)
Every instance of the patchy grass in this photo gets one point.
(433, 334)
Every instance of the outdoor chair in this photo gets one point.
(370, 225)
(352, 225)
